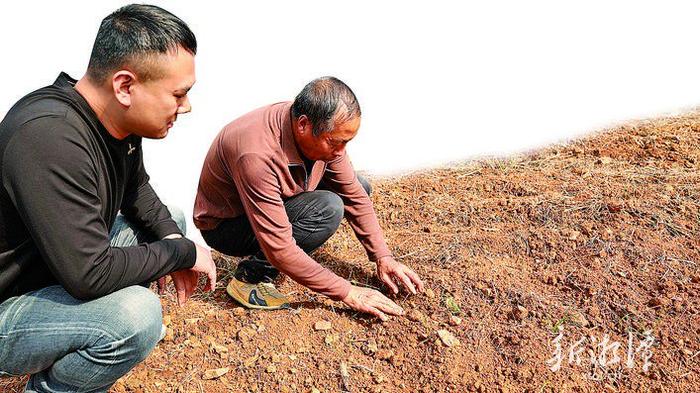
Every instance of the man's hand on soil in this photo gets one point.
(186, 280)
(372, 302)
(393, 274)
(185, 283)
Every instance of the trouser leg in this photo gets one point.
(315, 216)
(70, 345)
(124, 233)
(81, 346)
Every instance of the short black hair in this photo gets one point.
(326, 101)
(131, 34)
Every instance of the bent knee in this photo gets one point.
(365, 184)
(137, 317)
(179, 217)
(332, 204)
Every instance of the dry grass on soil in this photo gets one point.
(597, 237)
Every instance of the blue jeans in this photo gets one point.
(69, 345)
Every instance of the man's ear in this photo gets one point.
(303, 125)
(122, 82)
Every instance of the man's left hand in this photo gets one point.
(393, 274)
(185, 281)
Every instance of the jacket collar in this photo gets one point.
(291, 151)
(289, 145)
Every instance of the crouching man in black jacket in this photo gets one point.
(80, 226)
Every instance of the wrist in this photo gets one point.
(384, 259)
(348, 296)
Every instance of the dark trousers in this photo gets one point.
(314, 215)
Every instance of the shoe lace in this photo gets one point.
(266, 289)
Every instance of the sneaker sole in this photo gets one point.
(231, 292)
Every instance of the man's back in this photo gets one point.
(264, 133)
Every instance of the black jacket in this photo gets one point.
(64, 179)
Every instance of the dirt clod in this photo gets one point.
(246, 334)
(447, 338)
(519, 313)
(322, 325)
(215, 373)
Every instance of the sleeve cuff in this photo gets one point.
(375, 256)
(165, 228)
(340, 291)
(185, 253)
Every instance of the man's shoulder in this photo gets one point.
(263, 117)
(45, 123)
(256, 132)
(41, 127)
(45, 106)
(33, 107)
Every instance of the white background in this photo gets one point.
(437, 81)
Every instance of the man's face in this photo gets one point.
(156, 103)
(329, 145)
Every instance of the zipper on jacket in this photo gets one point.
(306, 176)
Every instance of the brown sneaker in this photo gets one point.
(261, 296)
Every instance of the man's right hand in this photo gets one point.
(186, 280)
(372, 302)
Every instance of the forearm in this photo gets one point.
(144, 209)
(126, 266)
(303, 269)
(342, 179)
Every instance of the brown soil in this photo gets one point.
(597, 237)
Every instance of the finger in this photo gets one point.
(389, 309)
(377, 313)
(386, 278)
(181, 289)
(416, 279)
(406, 282)
(161, 285)
(188, 285)
(207, 283)
(212, 277)
(385, 304)
(192, 283)
(195, 281)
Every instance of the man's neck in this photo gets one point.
(102, 105)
